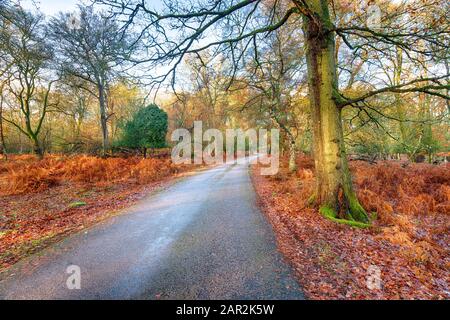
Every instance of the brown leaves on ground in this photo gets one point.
(409, 243)
(42, 201)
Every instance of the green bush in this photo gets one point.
(146, 130)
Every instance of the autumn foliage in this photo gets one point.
(24, 174)
(42, 201)
(409, 240)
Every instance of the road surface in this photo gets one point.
(202, 238)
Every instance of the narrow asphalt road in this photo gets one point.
(202, 238)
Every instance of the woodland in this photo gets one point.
(358, 89)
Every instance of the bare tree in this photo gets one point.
(94, 51)
(275, 78)
(5, 66)
(25, 47)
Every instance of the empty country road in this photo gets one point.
(201, 238)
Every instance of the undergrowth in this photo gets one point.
(25, 174)
(410, 202)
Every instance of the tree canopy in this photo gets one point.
(340, 79)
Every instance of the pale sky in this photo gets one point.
(51, 7)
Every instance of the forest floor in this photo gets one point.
(42, 202)
(408, 245)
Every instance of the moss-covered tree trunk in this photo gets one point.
(334, 189)
(292, 154)
(37, 148)
(33, 135)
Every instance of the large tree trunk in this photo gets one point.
(37, 148)
(33, 136)
(103, 120)
(334, 189)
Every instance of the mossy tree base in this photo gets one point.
(357, 212)
(350, 208)
(330, 214)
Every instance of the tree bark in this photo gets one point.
(37, 149)
(426, 116)
(292, 155)
(2, 134)
(447, 69)
(334, 188)
(33, 135)
(398, 101)
(103, 120)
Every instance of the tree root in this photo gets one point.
(357, 212)
(330, 214)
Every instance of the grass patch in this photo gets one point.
(77, 204)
